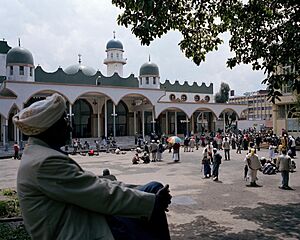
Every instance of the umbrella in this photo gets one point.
(174, 139)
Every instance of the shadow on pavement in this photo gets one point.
(273, 221)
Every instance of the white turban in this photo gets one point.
(41, 115)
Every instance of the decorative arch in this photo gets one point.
(45, 92)
(81, 120)
(119, 121)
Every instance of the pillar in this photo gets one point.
(175, 123)
(98, 119)
(134, 123)
(105, 117)
(143, 124)
(167, 123)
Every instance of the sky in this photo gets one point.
(57, 31)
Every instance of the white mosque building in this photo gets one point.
(110, 104)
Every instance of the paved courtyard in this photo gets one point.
(202, 208)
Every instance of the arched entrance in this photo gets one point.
(82, 119)
(117, 121)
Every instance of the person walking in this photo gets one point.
(153, 149)
(16, 151)
(226, 147)
(176, 149)
(283, 164)
(206, 160)
(253, 164)
(217, 160)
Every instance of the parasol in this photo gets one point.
(174, 139)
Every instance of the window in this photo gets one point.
(141, 81)
(197, 98)
(183, 97)
(154, 80)
(117, 55)
(207, 98)
(147, 80)
(30, 71)
(172, 97)
(111, 55)
(21, 70)
(11, 70)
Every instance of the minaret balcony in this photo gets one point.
(110, 60)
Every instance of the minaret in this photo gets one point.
(114, 59)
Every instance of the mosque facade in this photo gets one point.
(108, 105)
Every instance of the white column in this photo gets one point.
(143, 124)
(105, 117)
(98, 119)
(18, 136)
(5, 134)
(153, 121)
(224, 122)
(167, 126)
(70, 122)
(175, 123)
(134, 122)
(114, 119)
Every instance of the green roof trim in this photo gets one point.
(116, 80)
(4, 48)
(195, 88)
(59, 76)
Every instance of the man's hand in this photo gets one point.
(163, 198)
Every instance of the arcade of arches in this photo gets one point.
(90, 121)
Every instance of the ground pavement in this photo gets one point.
(202, 208)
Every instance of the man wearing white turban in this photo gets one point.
(59, 200)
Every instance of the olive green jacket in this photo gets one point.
(59, 200)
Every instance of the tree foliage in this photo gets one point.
(264, 33)
(223, 95)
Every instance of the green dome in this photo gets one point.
(114, 44)
(149, 68)
(19, 55)
(89, 71)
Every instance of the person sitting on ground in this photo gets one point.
(136, 159)
(269, 168)
(59, 200)
(106, 174)
(145, 158)
(118, 150)
(91, 152)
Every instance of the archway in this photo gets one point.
(81, 121)
(117, 122)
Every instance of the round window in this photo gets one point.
(197, 98)
(183, 97)
(172, 97)
(207, 98)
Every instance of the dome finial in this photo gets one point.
(19, 40)
(149, 58)
(79, 58)
(114, 32)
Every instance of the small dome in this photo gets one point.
(89, 71)
(149, 68)
(112, 44)
(19, 55)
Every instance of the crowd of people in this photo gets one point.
(218, 146)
